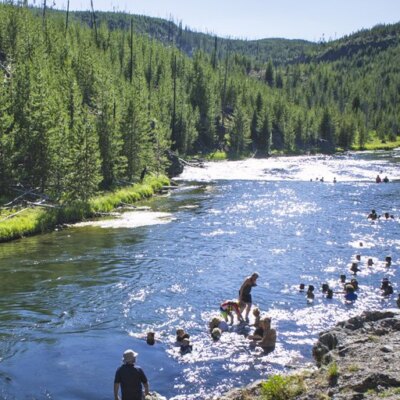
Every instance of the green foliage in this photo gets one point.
(333, 370)
(280, 387)
(84, 109)
(30, 221)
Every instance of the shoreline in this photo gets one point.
(356, 359)
(27, 221)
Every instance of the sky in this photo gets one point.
(255, 19)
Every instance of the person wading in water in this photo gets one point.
(245, 293)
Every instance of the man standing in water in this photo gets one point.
(130, 378)
(245, 293)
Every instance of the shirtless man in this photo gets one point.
(245, 293)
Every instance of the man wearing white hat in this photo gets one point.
(131, 378)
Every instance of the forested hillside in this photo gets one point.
(85, 107)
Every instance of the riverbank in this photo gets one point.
(357, 359)
(26, 220)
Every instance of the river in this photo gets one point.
(73, 300)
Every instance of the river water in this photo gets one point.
(72, 301)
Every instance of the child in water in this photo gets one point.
(181, 335)
(226, 309)
(186, 346)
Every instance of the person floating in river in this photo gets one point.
(301, 287)
(227, 307)
(373, 215)
(386, 179)
(245, 293)
(388, 260)
(378, 179)
(329, 294)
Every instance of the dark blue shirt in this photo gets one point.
(131, 378)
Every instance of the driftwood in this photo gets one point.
(13, 215)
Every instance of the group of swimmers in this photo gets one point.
(374, 216)
(263, 335)
(378, 179)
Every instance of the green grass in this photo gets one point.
(34, 220)
(217, 156)
(279, 387)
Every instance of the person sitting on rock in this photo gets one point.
(268, 340)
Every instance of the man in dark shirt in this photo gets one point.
(130, 378)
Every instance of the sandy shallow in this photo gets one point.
(131, 219)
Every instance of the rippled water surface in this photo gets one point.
(72, 301)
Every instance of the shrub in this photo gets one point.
(282, 387)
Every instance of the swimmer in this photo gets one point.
(310, 293)
(378, 179)
(301, 287)
(386, 179)
(325, 287)
(334, 180)
(329, 294)
(386, 287)
(181, 335)
(388, 216)
(150, 338)
(350, 296)
(354, 268)
(216, 334)
(186, 346)
(358, 257)
(226, 309)
(343, 278)
(354, 283)
(370, 262)
(219, 323)
(388, 260)
(373, 215)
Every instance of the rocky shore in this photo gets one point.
(357, 359)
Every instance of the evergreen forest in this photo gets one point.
(88, 101)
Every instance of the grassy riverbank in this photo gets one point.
(24, 221)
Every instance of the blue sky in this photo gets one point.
(255, 19)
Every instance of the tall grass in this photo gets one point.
(33, 221)
(279, 387)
